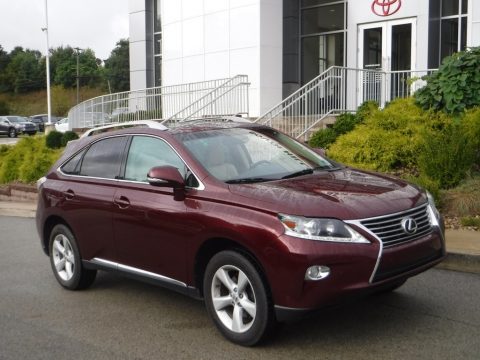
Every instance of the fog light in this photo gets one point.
(317, 272)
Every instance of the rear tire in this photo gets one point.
(66, 261)
(236, 299)
(12, 133)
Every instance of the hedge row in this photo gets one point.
(27, 161)
(440, 149)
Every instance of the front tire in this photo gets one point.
(66, 261)
(12, 133)
(236, 298)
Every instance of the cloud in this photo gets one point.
(94, 24)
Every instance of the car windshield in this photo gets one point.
(240, 155)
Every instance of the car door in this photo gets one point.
(86, 195)
(149, 225)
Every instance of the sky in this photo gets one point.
(94, 24)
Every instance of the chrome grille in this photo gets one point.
(389, 228)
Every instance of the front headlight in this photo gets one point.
(432, 210)
(320, 229)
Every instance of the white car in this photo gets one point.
(62, 125)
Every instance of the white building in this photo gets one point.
(283, 44)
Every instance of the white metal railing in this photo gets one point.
(335, 91)
(161, 103)
(230, 98)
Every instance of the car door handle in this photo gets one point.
(69, 194)
(122, 202)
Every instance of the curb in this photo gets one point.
(461, 262)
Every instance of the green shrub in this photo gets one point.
(448, 154)
(470, 221)
(344, 124)
(387, 139)
(455, 86)
(54, 140)
(323, 138)
(68, 136)
(365, 110)
(27, 161)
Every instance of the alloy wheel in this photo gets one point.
(63, 257)
(233, 298)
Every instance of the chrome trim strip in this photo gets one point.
(200, 187)
(136, 271)
(394, 214)
(380, 252)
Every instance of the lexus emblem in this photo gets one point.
(409, 225)
(386, 7)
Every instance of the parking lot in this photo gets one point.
(434, 316)
(5, 140)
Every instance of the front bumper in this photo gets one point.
(356, 269)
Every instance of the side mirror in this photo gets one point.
(320, 151)
(168, 176)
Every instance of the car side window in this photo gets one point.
(146, 152)
(72, 167)
(103, 158)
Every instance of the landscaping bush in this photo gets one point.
(27, 161)
(448, 154)
(54, 140)
(68, 136)
(455, 86)
(344, 124)
(387, 139)
(464, 200)
(323, 138)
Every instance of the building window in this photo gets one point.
(157, 42)
(448, 32)
(323, 36)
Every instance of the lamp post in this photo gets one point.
(47, 57)
(78, 73)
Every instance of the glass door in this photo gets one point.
(386, 53)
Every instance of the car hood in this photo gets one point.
(344, 194)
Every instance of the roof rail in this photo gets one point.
(153, 124)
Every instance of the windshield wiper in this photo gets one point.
(298, 173)
(247, 180)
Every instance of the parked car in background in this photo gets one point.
(13, 125)
(259, 225)
(42, 119)
(62, 125)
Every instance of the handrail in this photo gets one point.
(161, 102)
(336, 90)
(187, 115)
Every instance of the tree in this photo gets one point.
(117, 67)
(23, 73)
(4, 61)
(64, 67)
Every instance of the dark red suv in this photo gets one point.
(257, 224)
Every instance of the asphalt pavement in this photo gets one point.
(435, 315)
(4, 140)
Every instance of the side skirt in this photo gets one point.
(142, 275)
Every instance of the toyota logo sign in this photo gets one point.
(386, 7)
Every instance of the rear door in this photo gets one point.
(86, 192)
